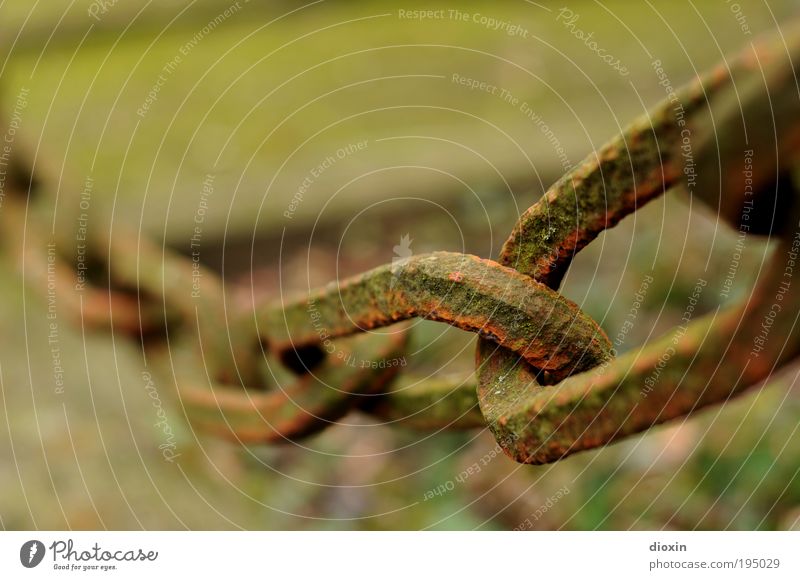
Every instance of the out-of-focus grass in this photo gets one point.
(254, 96)
(258, 102)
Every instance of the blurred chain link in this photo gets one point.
(546, 383)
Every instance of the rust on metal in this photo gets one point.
(730, 139)
(40, 263)
(497, 303)
(308, 404)
(714, 359)
(429, 403)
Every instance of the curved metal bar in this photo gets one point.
(308, 404)
(497, 303)
(714, 359)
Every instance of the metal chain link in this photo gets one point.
(546, 383)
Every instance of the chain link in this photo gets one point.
(546, 382)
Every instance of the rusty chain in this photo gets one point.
(547, 382)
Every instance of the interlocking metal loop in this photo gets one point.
(228, 397)
(546, 382)
(213, 359)
(461, 290)
(716, 357)
(39, 259)
(304, 406)
(467, 292)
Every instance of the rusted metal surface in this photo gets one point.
(710, 361)
(467, 292)
(190, 301)
(302, 407)
(736, 107)
(546, 383)
(39, 261)
(430, 403)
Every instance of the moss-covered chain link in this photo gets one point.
(467, 292)
(750, 104)
(152, 292)
(513, 310)
(546, 382)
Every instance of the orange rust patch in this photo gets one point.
(456, 276)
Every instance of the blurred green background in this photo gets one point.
(150, 98)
